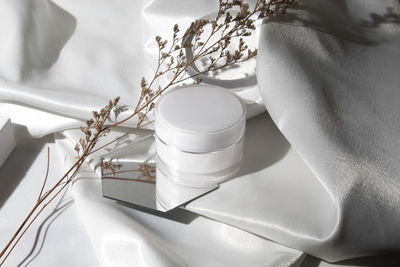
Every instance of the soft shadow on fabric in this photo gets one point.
(48, 30)
(372, 261)
(18, 163)
(178, 214)
(37, 39)
(43, 230)
(258, 155)
(336, 18)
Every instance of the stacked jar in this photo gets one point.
(199, 138)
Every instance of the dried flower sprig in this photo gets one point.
(209, 40)
(97, 123)
(85, 146)
(234, 19)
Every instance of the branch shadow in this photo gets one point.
(378, 19)
(338, 19)
(38, 245)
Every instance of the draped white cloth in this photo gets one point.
(122, 236)
(328, 74)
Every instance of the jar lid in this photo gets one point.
(200, 118)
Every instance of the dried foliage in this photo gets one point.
(211, 41)
(96, 124)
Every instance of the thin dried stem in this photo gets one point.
(73, 169)
(47, 174)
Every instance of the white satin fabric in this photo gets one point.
(122, 236)
(329, 75)
(62, 59)
(330, 86)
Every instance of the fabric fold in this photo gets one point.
(331, 85)
(68, 58)
(122, 236)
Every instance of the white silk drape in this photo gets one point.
(328, 75)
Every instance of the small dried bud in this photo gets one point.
(187, 45)
(89, 122)
(143, 83)
(176, 28)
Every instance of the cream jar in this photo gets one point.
(199, 139)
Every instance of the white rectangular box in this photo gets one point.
(7, 139)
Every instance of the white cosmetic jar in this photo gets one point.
(199, 136)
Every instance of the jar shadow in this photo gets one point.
(264, 145)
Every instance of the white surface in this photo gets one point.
(57, 238)
(61, 238)
(7, 139)
(125, 237)
(200, 118)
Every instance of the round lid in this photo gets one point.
(200, 118)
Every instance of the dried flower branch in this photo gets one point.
(209, 40)
(83, 148)
(219, 32)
